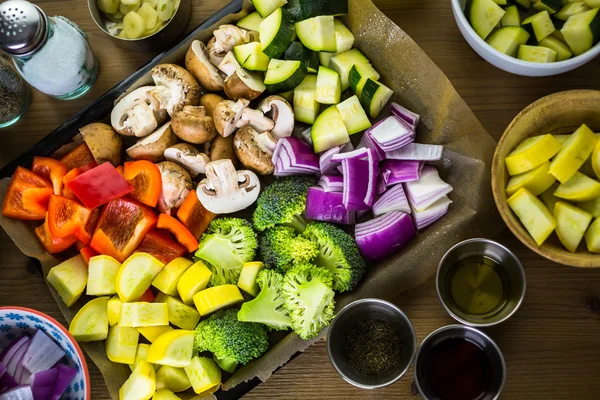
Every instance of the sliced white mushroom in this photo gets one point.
(227, 114)
(255, 150)
(153, 146)
(226, 190)
(244, 84)
(189, 157)
(196, 61)
(256, 119)
(281, 112)
(229, 64)
(134, 114)
(176, 185)
(226, 38)
(175, 87)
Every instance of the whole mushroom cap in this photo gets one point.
(255, 150)
(192, 125)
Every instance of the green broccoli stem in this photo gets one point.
(299, 223)
(226, 364)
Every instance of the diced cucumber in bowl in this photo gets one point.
(582, 31)
(539, 25)
(484, 16)
(536, 54)
(508, 39)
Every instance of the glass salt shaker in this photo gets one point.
(14, 94)
(51, 53)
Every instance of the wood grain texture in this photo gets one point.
(552, 344)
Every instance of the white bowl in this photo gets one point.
(512, 64)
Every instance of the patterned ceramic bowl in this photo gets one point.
(16, 321)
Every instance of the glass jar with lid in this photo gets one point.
(51, 53)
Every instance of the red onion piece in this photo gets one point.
(427, 190)
(416, 151)
(327, 206)
(384, 235)
(393, 200)
(398, 171)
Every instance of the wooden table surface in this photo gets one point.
(551, 346)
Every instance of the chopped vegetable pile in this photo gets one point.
(554, 187)
(539, 31)
(180, 282)
(31, 368)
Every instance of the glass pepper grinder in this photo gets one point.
(51, 53)
(14, 94)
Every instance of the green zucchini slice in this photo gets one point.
(318, 33)
(570, 9)
(512, 17)
(375, 96)
(306, 107)
(508, 39)
(354, 116)
(329, 88)
(297, 51)
(342, 63)
(536, 54)
(539, 25)
(483, 15)
(283, 76)
(329, 130)
(276, 33)
(563, 52)
(250, 22)
(251, 56)
(582, 31)
(266, 7)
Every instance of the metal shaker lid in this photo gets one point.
(23, 27)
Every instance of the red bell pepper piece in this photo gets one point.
(51, 243)
(181, 233)
(78, 157)
(99, 185)
(121, 227)
(50, 169)
(67, 217)
(87, 253)
(159, 244)
(145, 177)
(194, 216)
(148, 296)
(27, 196)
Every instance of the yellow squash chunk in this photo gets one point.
(140, 355)
(192, 281)
(144, 314)
(247, 280)
(561, 138)
(591, 206)
(592, 236)
(121, 344)
(165, 394)
(571, 224)
(549, 198)
(180, 314)
(595, 160)
(91, 321)
(536, 180)
(174, 349)
(578, 188)
(534, 215)
(573, 154)
(102, 276)
(153, 332)
(113, 309)
(204, 374)
(141, 384)
(136, 275)
(531, 153)
(166, 280)
(69, 279)
(217, 297)
(174, 379)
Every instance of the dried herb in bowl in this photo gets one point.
(373, 347)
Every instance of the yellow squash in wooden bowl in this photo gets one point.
(559, 113)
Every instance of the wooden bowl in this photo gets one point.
(559, 113)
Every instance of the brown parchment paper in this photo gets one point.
(445, 119)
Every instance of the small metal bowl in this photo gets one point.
(509, 263)
(493, 352)
(351, 315)
(159, 40)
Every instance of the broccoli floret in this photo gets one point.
(308, 295)
(283, 203)
(230, 339)
(267, 308)
(227, 244)
(338, 253)
(281, 247)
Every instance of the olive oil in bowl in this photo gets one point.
(480, 282)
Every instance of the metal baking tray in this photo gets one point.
(97, 112)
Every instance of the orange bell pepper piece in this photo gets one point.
(87, 253)
(194, 216)
(148, 296)
(121, 227)
(160, 244)
(51, 243)
(78, 157)
(67, 217)
(27, 196)
(69, 176)
(181, 233)
(121, 170)
(89, 229)
(50, 169)
(145, 177)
